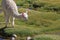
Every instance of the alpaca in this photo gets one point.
(10, 10)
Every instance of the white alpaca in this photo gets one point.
(11, 10)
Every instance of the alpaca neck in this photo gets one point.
(17, 15)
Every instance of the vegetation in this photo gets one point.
(47, 37)
(44, 18)
(46, 5)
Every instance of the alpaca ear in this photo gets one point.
(26, 11)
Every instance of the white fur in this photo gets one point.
(11, 10)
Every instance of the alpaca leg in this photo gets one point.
(12, 21)
(6, 20)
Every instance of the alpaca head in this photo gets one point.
(25, 15)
